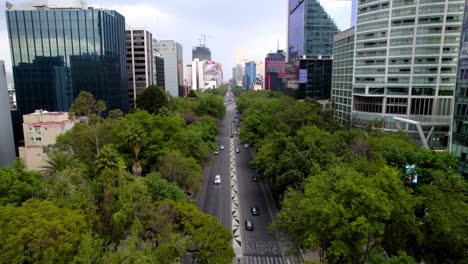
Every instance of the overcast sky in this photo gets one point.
(256, 25)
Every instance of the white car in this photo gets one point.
(246, 145)
(217, 179)
(222, 147)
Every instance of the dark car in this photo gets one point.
(254, 210)
(255, 178)
(249, 225)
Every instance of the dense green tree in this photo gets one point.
(160, 189)
(116, 114)
(211, 105)
(18, 185)
(86, 105)
(152, 99)
(40, 233)
(344, 213)
(184, 171)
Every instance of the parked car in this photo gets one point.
(246, 145)
(254, 210)
(249, 225)
(217, 179)
(216, 153)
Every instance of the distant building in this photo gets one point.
(309, 78)
(41, 129)
(460, 116)
(7, 141)
(342, 83)
(275, 67)
(310, 30)
(140, 62)
(202, 53)
(188, 74)
(171, 51)
(50, 74)
(206, 75)
(250, 74)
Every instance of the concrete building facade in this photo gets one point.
(171, 51)
(41, 129)
(342, 80)
(7, 141)
(140, 64)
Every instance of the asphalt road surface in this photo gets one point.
(259, 245)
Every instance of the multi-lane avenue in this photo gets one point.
(258, 245)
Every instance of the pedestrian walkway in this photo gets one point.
(263, 260)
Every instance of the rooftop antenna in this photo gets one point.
(277, 47)
(203, 37)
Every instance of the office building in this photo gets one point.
(7, 141)
(158, 69)
(275, 67)
(206, 75)
(140, 62)
(250, 74)
(41, 129)
(406, 56)
(171, 51)
(55, 56)
(310, 30)
(460, 116)
(342, 80)
(188, 74)
(202, 53)
(309, 78)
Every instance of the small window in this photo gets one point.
(38, 139)
(37, 128)
(31, 138)
(30, 129)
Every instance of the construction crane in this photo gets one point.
(202, 40)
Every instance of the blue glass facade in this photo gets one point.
(250, 74)
(56, 54)
(460, 118)
(310, 31)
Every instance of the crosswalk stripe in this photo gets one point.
(263, 260)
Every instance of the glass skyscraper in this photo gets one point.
(250, 74)
(460, 118)
(57, 53)
(310, 30)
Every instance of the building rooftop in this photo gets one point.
(45, 4)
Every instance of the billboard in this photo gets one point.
(210, 69)
(303, 76)
(296, 32)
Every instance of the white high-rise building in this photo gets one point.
(7, 142)
(171, 51)
(405, 65)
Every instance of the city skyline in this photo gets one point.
(226, 30)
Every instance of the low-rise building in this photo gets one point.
(41, 129)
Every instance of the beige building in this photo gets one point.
(41, 129)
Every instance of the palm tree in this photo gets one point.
(133, 138)
(59, 161)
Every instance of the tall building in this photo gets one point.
(275, 67)
(309, 78)
(55, 56)
(139, 62)
(342, 80)
(406, 55)
(250, 74)
(260, 71)
(201, 52)
(158, 69)
(188, 74)
(310, 30)
(353, 12)
(171, 51)
(460, 116)
(41, 129)
(7, 142)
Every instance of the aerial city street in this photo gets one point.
(234, 132)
